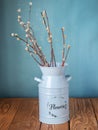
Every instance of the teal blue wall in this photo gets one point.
(17, 68)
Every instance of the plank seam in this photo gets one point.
(94, 111)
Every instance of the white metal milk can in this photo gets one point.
(53, 95)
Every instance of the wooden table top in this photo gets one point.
(22, 114)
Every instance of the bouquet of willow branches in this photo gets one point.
(32, 45)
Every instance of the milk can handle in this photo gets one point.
(37, 79)
(68, 77)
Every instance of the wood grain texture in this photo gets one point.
(22, 114)
(64, 126)
(8, 109)
(95, 107)
(27, 116)
(82, 116)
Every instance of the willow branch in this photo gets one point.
(68, 48)
(47, 26)
(64, 46)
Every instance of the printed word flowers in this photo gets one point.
(32, 45)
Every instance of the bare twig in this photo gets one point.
(30, 7)
(68, 48)
(67, 52)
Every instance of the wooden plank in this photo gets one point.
(27, 116)
(82, 115)
(95, 107)
(22, 114)
(8, 109)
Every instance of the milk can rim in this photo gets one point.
(58, 66)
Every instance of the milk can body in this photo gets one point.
(53, 96)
